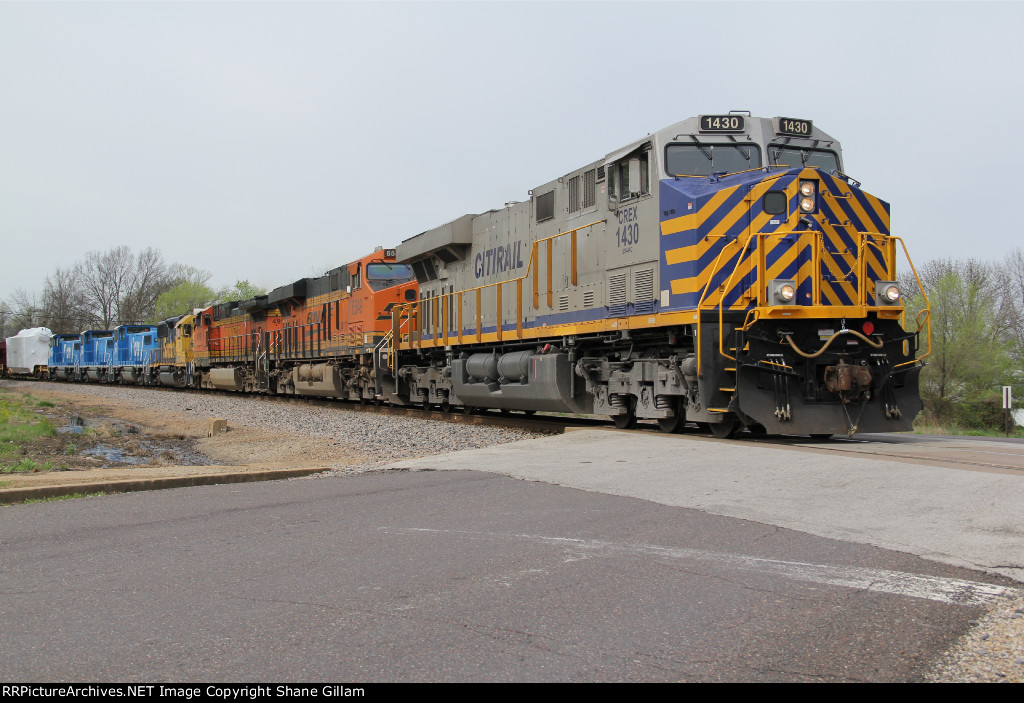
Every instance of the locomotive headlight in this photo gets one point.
(782, 291)
(887, 293)
(808, 196)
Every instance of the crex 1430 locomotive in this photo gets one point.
(722, 271)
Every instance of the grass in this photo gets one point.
(20, 425)
(931, 428)
(26, 466)
(69, 496)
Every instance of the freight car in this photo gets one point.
(27, 352)
(723, 271)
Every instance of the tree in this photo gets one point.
(64, 306)
(182, 299)
(25, 311)
(970, 356)
(242, 290)
(121, 288)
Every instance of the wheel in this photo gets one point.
(467, 409)
(726, 429)
(674, 424)
(529, 412)
(446, 407)
(627, 420)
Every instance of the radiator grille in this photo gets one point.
(643, 291)
(574, 194)
(617, 294)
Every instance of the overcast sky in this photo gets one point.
(267, 141)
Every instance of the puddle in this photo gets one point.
(111, 454)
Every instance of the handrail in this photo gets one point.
(866, 241)
(439, 304)
(927, 309)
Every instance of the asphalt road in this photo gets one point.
(455, 576)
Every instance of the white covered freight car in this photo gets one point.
(28, 351)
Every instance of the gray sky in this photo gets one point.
(270, 140)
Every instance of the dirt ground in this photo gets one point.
(122, 440)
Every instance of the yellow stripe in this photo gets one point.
(686, 222)
(680, 224)
(689, 253)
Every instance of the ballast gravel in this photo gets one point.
(375, 438)
(992, 651)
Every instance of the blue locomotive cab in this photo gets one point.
(135, 350)
(96, 355)
(64, 356)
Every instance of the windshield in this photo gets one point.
(384, 275)
(705, 159)
(797, 157)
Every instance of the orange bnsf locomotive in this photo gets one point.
(313, 337)
(722, 271)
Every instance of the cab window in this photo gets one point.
(381, 275)
(705, 159)
(629, 178)
(796, 157)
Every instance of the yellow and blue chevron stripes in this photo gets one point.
(714, 233)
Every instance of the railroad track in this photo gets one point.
(949, 452)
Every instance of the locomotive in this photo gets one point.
(313, 337)
(723, 271)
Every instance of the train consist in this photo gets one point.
(723, 271)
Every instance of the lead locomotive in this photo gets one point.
(723, 271)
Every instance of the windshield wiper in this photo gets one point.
(702, 149)
(739, 148)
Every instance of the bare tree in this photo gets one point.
(64, 306)
(147, 278)
(25, 311)
(100, 275)
(120, 287)
(5, 317)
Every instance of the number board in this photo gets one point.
(390, 253)
(722, 123)
(794, 128)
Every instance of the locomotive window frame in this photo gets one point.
(706, 147)
(545, 206)
(775, 202)
(778, 148)
(619, 188)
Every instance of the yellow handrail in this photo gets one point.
(408, 310)
(866, 240)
